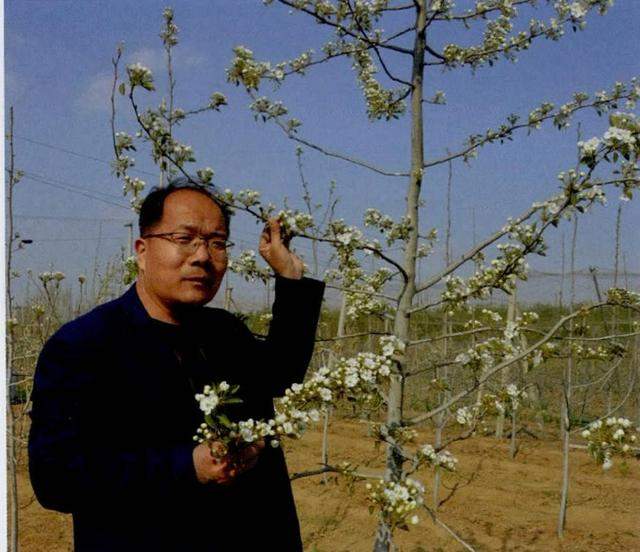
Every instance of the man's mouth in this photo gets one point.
(200, 279)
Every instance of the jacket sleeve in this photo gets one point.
(72, 469)
(283, 357)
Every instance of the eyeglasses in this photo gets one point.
(189, 243)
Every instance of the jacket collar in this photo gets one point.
(137, 314)
(132, 305)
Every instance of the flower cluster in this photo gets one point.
(361, 298)
(608, 351)
(381, 103)
(506, 401)
(392, 230)
(209, 398)
(613, 436)
(244, 199)
(216, 101)
(397, 501)
(217, 426)
(56, 277)
(169, 33)
(246, 265)
(139, 75)
(246, 70)
(514, 396)
(265, 109)
(400, 434)
(123, 141)
(623, 297)
(164, 145)
(133, 186)
(299, 64)
(442, 459)
(122, 163)
(295, 222)
(621, 138)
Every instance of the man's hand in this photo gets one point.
(276, 252)
(223, 471)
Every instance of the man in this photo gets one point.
(114, 411)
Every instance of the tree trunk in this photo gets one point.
(565, 415)
(393, 470)
(505, 374)
(11, 451)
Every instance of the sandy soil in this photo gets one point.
(500, 504)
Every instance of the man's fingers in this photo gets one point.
(274, 226)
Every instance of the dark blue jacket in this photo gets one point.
(114, 416)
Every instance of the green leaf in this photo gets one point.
(209, 420)
(233, 400)
(222, 418)
(122, 88)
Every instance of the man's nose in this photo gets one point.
(202, 252)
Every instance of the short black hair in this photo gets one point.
(153, 205)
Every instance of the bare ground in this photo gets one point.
(500, 504)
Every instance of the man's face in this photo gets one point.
(171, 276)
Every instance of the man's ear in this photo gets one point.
(141, 253)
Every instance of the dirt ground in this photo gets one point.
(500, 504)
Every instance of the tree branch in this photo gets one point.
(479, 13)
(506, 131)
(489, 373)
(343, 29)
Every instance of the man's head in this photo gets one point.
(174, 273)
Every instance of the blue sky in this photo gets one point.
(57, 77)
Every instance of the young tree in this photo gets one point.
(391, 67)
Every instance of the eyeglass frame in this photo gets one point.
(169, 236)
